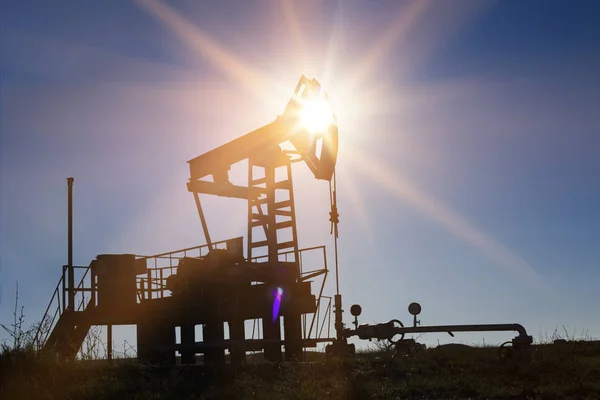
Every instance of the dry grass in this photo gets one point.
(569, 370)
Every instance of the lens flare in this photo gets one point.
(277, 303)
(316, 115)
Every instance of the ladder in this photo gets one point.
(271, 216)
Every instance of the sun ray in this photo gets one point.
(403, 189)
(335, 39)
(416, 32)
(258, 85)
(406, 18)
(290, 15)
(357, 203)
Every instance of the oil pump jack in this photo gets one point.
(310, 126)
(216, 284)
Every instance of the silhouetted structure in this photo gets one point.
(219, 287)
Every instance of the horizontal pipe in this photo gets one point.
(462, 328)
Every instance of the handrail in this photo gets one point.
(56, 312)
(202, 246)
(154, 282)
(55, 294)
(40, 337)
(300, 251)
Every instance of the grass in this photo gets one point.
(567, 371)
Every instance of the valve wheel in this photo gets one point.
(509, 352)
(506, 351)
(397, 321)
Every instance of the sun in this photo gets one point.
(316, 115)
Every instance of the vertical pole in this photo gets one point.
(339, 324)
(150, 285)
(334, 219)
(93, 286)
(71, 272)
(250, 219)
(64, 289)
(109, 339)
(161, 283)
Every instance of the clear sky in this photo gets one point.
(469, 159)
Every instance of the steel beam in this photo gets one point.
(219, 160)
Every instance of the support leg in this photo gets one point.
(272, 331)
(188, 339)
(238, 334)
(109, 344)
(214, 333)
(292, 327)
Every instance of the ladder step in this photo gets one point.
(262, 221)
(285, 213)
(286, 245)
(259, 190)
(261, 243)
(282, 204)
(287, 184)
(258, 202)
(262, 218)
(279, 204)
(284, 224)
(258, 181)
(280, 246)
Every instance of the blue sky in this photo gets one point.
(469, 155)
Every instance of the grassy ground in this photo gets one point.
(568, 371)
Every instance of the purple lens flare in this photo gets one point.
(278, 294)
